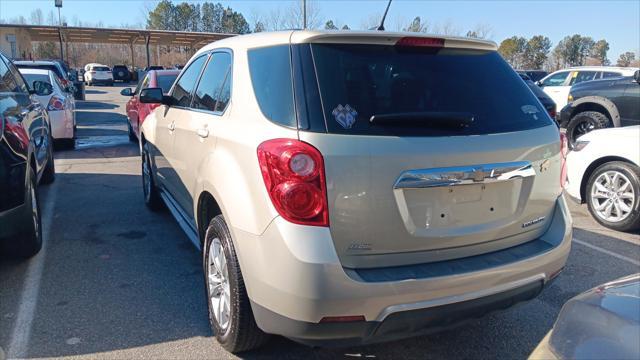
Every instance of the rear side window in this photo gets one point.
(609, 74)
(583, 76)
(182, 91)
(214, 88)
(556, 79)
(421, 92)
(270, 69)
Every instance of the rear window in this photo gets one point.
(30, 78)
(165, 82)
(52, 67)
(100, 68)
(357, 82)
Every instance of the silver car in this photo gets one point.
(353, 187)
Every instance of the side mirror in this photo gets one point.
(42, 88)
(126, 92)
(539, 83)
(636, 76)
(153, 96)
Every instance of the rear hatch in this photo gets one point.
(431, 152)
(101, 73)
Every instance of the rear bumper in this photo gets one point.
(61, 124)
(294, 280)
(101, 81)
(399, 324)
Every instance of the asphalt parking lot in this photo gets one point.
(115, 280)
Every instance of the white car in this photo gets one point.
(98, 74)
(59, 104)
(558, 84)
(604, 172)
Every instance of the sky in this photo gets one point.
(616, 21)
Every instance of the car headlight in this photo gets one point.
(579, 145)
(569, 98)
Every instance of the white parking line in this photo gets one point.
(605, 251)
(29, 298)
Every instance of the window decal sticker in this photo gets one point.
(345, 115)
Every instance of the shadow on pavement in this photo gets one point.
(95, 105)
(95, 92)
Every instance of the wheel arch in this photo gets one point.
(599, 104)
(592, 167)
(206, 209)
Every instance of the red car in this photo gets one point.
(137, 111)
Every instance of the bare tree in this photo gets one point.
(36, 17)
(296, 14)
(275, 20)
(371, 21)
(481, 31)
(446, 28)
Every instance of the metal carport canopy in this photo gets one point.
(119, 36)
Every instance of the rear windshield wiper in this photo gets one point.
(436, 119)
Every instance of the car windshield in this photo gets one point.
(166, 81)
(30, 78)
(367, 80)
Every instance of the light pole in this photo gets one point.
(58, 4)
(304, 14)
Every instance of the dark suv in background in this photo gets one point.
(121, 73)
(600, 104)
(26, 158)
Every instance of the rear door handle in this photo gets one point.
(203, 132)
(172, 126)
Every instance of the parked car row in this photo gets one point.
(67, 77)
(26, 158)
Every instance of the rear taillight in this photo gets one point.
(92, 72)
(552, 113)
(55, 103)
(564, 150)
(64, 82)
(293, 172)
(416, 41)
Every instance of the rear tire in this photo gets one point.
(583, 123)
(238, 331)
(132, 135)
(150, 191)
(600, 196)
(29, 241)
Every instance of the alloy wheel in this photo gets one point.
(612, 196)
(218, 281)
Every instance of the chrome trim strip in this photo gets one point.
(459, 298)
(464, 175)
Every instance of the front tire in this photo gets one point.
(132, 135)
(230, 314)
(29, 241)
(49, 172)
(149, 189)
(612, 194)
(583, 123)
